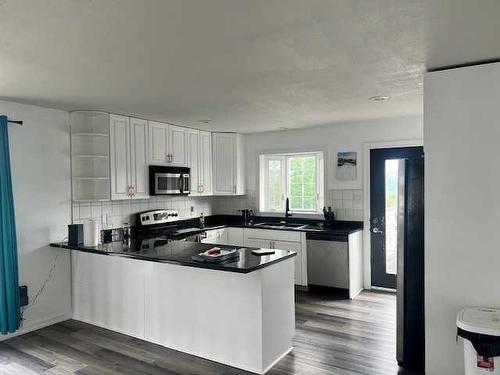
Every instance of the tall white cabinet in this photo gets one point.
(128, 157)
(200, 161)
(169, 144)
(228, 164)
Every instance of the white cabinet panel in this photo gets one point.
(216, 236)
(258, 242)
(128, 157)
(139, 158)
(168, 144)
(193, 140)
(228, 164)
(119, 156)
(205, 163)
(276, 235)
(199, 154)
(294, 246)
(235, 236)
(177, 142)
(282, 240)
(158, 134)
(109, 292)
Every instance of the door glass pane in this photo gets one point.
(275, 184)
(391, 215)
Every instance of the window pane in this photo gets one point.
(274, 185)
(302, 182)
(391, 215)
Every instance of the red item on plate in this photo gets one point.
(213, 251)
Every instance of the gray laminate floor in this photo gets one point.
(333, 336)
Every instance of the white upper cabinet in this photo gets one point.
(158, 134)
(139, 172)
(168, 144)
(200, 161)
(119, 137)
(205, 163)
(177, 145)
(193, 137)
(228, 164)
(128, 157)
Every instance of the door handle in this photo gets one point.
(376, 230)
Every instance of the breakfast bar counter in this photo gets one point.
(240, 314)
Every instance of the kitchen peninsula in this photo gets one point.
(239, 313)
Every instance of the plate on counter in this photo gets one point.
(216, 255)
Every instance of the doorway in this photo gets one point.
(384, 203)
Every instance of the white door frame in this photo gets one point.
(367, 147)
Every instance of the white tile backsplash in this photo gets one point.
(347, 205)
(120, 212)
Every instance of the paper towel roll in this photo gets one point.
(91, 233)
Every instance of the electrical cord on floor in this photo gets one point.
(45, 282)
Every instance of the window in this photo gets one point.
(296, 176)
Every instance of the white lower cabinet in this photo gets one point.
(235, 236)
(216, 236)
(282, 240)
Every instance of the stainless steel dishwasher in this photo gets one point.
(328, 260)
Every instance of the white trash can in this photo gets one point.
(480, 329)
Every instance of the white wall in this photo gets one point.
(40, 167)
(462, 207)
(331, 138)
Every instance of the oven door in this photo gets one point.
(168, 183)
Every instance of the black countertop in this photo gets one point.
(180, 252)
(313, 228)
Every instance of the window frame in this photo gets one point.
(284, 157)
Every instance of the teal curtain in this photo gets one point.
(10, 311)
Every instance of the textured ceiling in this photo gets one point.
(247, 65)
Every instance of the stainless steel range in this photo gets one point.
(160, 225)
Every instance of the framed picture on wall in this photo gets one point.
(347, 165)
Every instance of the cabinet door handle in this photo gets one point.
(171, 158)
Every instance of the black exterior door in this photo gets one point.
(382, 212)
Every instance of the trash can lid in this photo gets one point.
(483, 320)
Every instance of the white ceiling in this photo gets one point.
(248, 65)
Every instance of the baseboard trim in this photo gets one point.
(38, 324)
(380, 289)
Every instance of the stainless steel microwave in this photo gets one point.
(168, 180)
